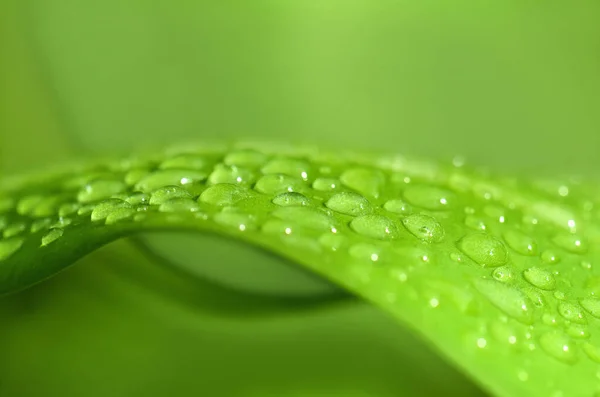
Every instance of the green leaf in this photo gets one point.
(498, 274)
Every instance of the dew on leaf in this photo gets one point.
(119, 214)
(291, 199)
(14, 229)
(100, 190)
(375, 226)
(332, 241)
(230, 174)
(185, 161)
(40, 225)
(520, 242)
(591, 305)
(510, 300)
(26, 204)
(277, 184)
(364, 251)
(162, 178)
(9, 247)
(592, 351)
(570, 242)
(245, 158)
(138, 199)
(475, 222)
(52, 236)
(68, 209)
(558, 345)
(540, 278)
(365, 181)
(349, 203)
(572, 312)
(550, 257)
(429, 197)
(163, 194)
(105, 208)
(223, 195)
(424, 227)
(305, 217)
(180, 204)
(484, 249)
(286, 166)
(398, 207)
(325, 184)
(503, 273)
(134, 176)
(239, 221)
(578, 331)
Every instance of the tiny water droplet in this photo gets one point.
(558, 345)
(484, 249)
(276, 184)
(503, 273)
(365, 181)
(349, 203)
(424, 227)
(230, 174)
(540, 278)
(520, 242)
(326, 184)
(475, 223)
(510, 300)
(163, 194)
(572, 312)
(179, 205)
(375, 226)
(52, 236)
(397, 207)
(591, 305)
(291, 199)
(245, 158)
(429, 197)
(105, 208)
(162, 178)
(550, 257)
(223, 195)
(286, 166)
(100, 190)
(9, 247)
(570, 242)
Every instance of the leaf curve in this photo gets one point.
(497, 273)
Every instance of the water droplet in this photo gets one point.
(105, 208)
(326, 184)
(52, 236)
(239, 221)
(163, 178)
(9, 247)
(134, 176)
(550, 257)
(179, 205)
(540, 278)
(163, 194)
(578, 331)
(397, 207)
(559, 346)
(424, 227)
(245, 158)
(68, 209)
(100, 190)
(119, 214)
(184, 161)
(375, 226)
(572, 312)
(230, 174)
(429, 197)
(586, 265)
(291, 199)
(560, 295)
(484, 249)
(503, 274)
(510, 300)
(349, 203)
(520, 242)
(332, 241)
(285, 166)
(591, 305)
(593, 352)
(364, 251)
(550, 319)
(40, 225)
(28, 203)
(138, 199)
(277, 184)
(570, 242)
(14, 230)
(223, 195)
(475, 223)
(305, 217)
(535, 296)
(365, 181)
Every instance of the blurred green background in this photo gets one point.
(510, 84)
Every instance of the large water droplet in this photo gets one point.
(349, 203)
(305, 217)
(397, 207)
(223, 195)
(572, 312)
(100, 190)
(163, 178)
(277, 184)
(424, 227)
(570, 242)
(245, 158)
(540, 278)
(484, 249)
(107, 207)
(9, 247)
(591, 305)
(559, 346)
(285, 166)
(291, 199)
(163, 194)
(510, 300)
(520, 242)
(52, 236)
(429, 197)
(230, 174)
(365, 181)
(179, 205)
(326, 184)
(375, 226)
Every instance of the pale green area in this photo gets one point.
(511, 85)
